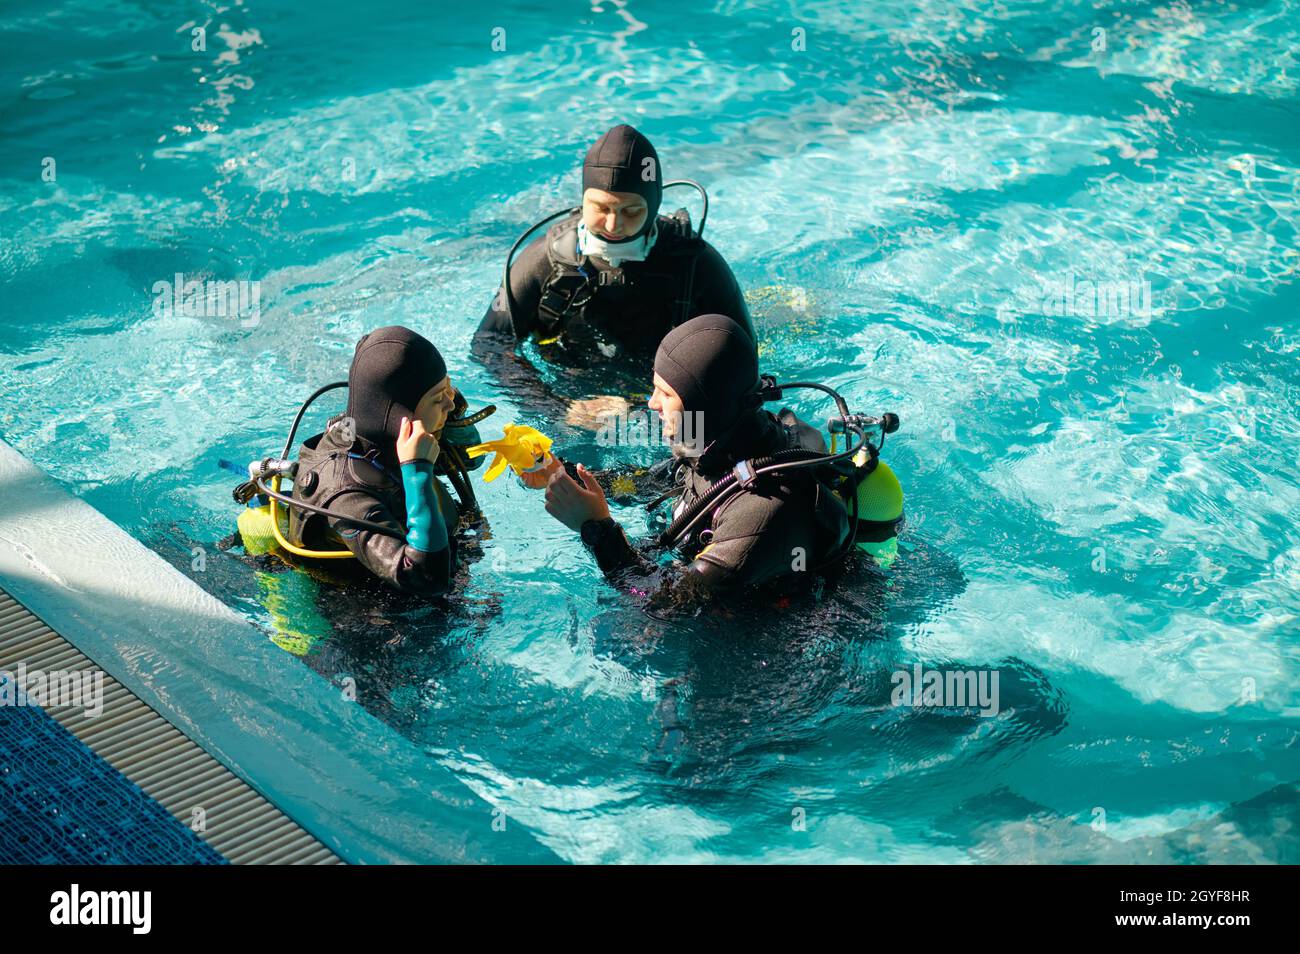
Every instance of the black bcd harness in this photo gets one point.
(574, 281)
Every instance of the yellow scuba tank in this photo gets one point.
(880, 510)
(879, 504)
(257, 530)
(879, 495)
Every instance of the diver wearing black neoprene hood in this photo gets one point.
(613, 277)
(768, 530)
(376, 464)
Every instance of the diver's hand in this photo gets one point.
(573, 505)
(592, 413)
(415, 443)
(537, 479)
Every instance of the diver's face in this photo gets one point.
(666, 401)
(613, 216)
(436, 404)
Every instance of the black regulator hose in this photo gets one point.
(771, 391)
(458, 474)
(357, 522)
(719, 488)
(704, 216)
(297, 418)
(505, 285)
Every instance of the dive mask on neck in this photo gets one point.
(616, 253)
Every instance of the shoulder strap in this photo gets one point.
(569, 287)
(679, 239)
(679, 232)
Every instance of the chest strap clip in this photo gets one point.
(744, 474)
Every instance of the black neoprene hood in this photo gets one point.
(713, 366)
(623, 160)
(391, 370)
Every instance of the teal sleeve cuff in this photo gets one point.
(425, 528)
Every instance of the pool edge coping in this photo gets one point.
(48, 567)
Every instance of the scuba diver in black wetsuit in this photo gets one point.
(369, 482)
(760, 499)
(380, 467)
(608, 281)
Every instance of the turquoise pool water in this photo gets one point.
(922, 202)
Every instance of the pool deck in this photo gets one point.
(227, 716)
(200, 792)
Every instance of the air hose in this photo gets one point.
(740, 477)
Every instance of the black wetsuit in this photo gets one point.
(781, 525)
(352, 470)
(681, 277)
(352, 480)
(772, 533)
(591, 314)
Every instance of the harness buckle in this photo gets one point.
(744, 474)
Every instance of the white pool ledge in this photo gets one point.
(249, 704)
